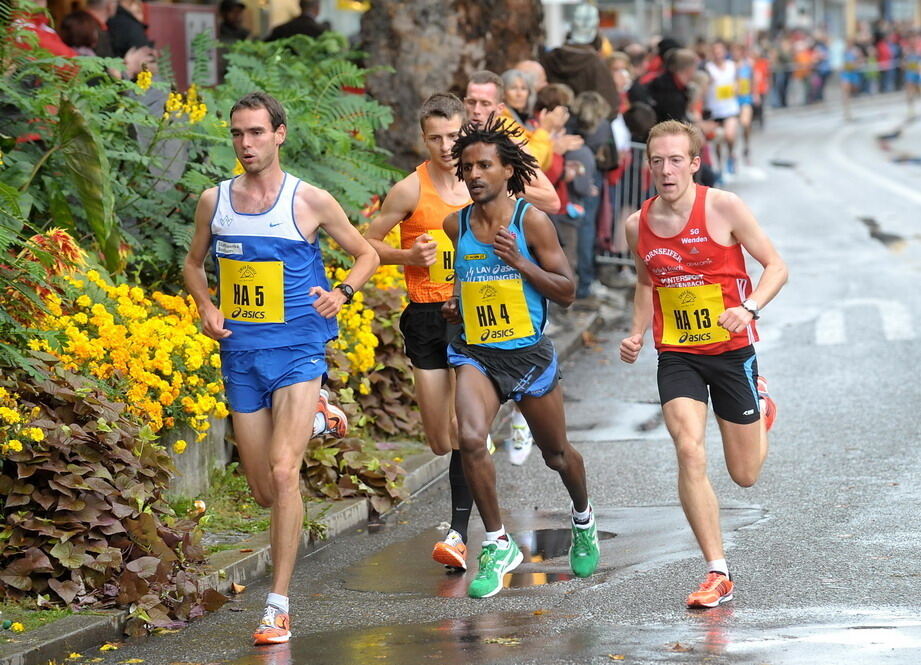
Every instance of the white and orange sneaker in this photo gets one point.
(451, 552)
(274, 628)
(330, 419)
(714, 590)
(770, 406)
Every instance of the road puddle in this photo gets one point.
(385, 570)
(646, 536)
(622, 421)
(701, 637)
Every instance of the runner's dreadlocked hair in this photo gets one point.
(501, 134)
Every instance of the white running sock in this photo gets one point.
(279, 601)
(494, 536)
(718, 566)
(319, 424)
(584, 519)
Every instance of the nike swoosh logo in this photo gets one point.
(275, 224)
(314, 360)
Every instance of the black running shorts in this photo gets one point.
(426, 334)
(729, 378)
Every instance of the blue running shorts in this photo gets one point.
(251, 376)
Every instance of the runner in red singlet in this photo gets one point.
(693, 287)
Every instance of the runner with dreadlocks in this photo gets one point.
(508, 265)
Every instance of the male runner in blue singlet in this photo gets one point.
(276, 314)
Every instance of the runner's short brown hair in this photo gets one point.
(485, 76)
(262, 100)
(441, 105)
(677, 128)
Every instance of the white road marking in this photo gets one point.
(840, 159)
(830, 326)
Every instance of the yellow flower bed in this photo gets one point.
(14, 423)
(147, 347)
(356, 339)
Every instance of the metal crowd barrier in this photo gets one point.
(627, 195)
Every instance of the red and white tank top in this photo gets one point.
(694, 279)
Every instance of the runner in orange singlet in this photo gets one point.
(693, 287)
(419, 204)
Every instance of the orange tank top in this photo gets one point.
(434, 283)
(694, 279)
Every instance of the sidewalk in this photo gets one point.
(84, 632)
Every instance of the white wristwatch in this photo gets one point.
(751, 307)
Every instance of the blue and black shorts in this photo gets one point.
(531, 371)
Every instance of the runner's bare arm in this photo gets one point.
(540, 193)
(398, 205)
(551, 275)
(642, 300)
(321, 206)
(451, 309)
(746, 230)
(193, 270)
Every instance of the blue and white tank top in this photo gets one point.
(500, 308)
(745, 81)
(265, 270)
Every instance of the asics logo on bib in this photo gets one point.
(688, 338)
(496, 335)
(240, 313)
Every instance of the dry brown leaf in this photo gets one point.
(237, 588)
(616, 656)
(680, 648)
(247, 550)
(539, 612)
(504, 641)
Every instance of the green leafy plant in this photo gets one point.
(345, 469)
(84, 518)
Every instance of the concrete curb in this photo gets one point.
(250, 558)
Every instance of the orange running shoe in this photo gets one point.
(716, 589)
(275, 627)
(770, 406)
(336, 422)
(451, 552)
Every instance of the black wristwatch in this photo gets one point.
(347, 290)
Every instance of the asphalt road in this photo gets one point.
(824, 549)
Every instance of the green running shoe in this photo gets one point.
(494, 564)
(584, 551)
